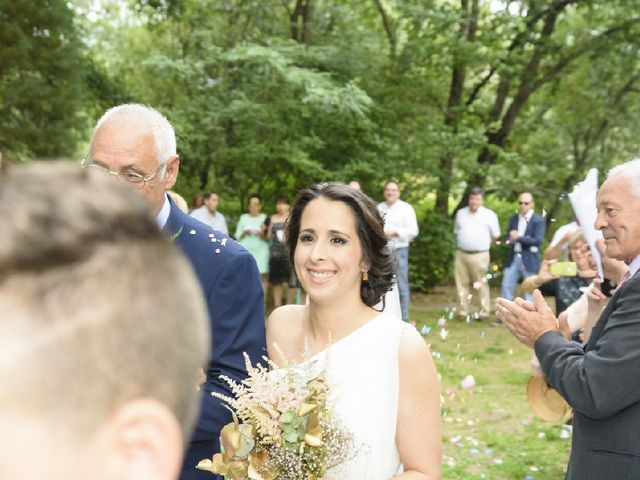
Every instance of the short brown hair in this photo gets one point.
(98, 306)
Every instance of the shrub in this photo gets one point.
(431, 253)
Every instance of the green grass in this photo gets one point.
(489, 432)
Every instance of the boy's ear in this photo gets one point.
(141, 440)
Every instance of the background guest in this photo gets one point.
(280, 272)
(208, 213)
(566, 288)
(251, 234)
(179, 200)
(197, 202)
(559, 244)
(400, 227)
(475, 227)
(525, 234)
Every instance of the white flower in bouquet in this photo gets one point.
(282, 427)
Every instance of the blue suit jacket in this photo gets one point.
(530, 241)
(230, 281)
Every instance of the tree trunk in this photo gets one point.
(467, 33)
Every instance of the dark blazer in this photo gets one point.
(230, 281)
(601, 381)
(530, 241)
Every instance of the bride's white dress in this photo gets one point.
(362, 369)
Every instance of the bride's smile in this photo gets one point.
(328, 256)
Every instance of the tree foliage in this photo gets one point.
(42, 94)
(270, 95)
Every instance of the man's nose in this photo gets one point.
(600, 221)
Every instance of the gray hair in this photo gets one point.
(142, 115)
(629, 170)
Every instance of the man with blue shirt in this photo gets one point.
(209, 214)
(137, 144)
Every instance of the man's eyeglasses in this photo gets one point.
(524, 203)
(128, 176)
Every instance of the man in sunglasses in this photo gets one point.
(525, 233)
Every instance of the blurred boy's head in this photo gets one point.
(102, 335)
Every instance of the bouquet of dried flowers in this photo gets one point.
(282, 427)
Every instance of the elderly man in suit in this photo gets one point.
(600, 379)
(137, 144)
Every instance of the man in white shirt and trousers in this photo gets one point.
(401, 227)
(476, 227)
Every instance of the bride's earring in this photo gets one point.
(365, 276)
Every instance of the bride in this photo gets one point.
(385, 385)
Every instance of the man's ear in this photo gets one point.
(141, 441)
(171, 175)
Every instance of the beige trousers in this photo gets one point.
(469, 269)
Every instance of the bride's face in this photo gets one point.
(328, 256)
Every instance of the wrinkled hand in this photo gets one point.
(526, 320)
(614, 269)
(596, 300)
(563, 325)
(544, 275)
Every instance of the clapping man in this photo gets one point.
(137, 144)
(600, 379)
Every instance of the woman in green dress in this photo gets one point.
(251, 234)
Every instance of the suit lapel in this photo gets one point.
(596, 332)
(175, 224)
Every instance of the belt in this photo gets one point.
(472, 251)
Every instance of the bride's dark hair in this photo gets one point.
(370, 228)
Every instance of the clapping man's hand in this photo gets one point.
(614, 269)
(526, 320)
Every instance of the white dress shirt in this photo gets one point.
(401, 218)
(475, 231)
(523, 221)
(163, 215)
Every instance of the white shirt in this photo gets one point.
(215, 220)
(475, 231)
(523, 221)
(163, 215)
(561, 232)
(401, 218)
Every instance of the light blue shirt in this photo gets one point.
(215, 220)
